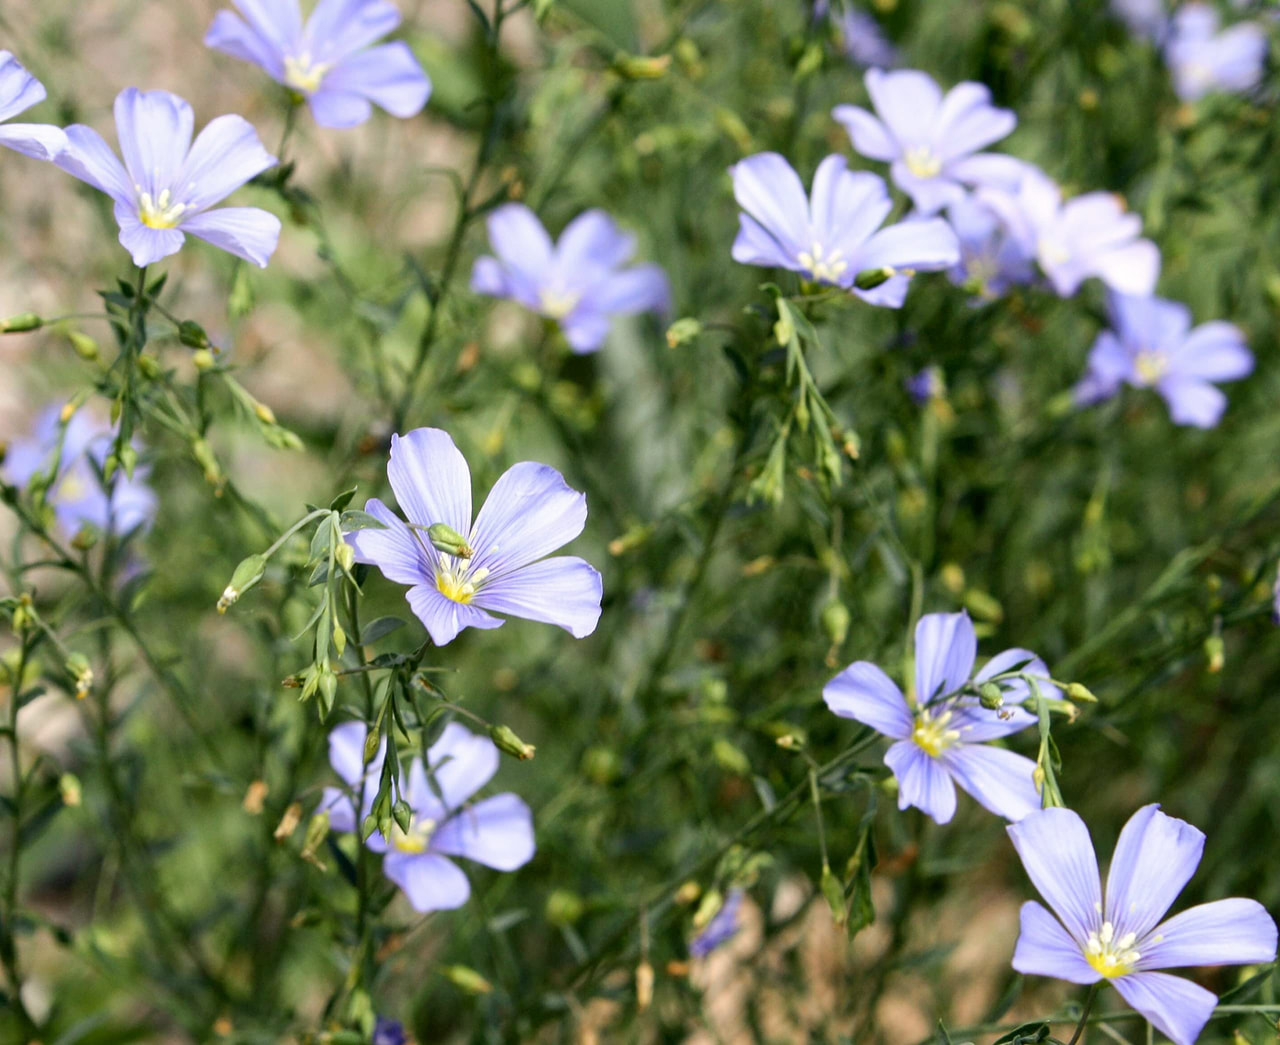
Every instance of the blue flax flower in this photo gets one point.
(19, 91)
(721, 929)
(69, 458)
(389, 1032)
(1118, 935)
(496, 831)
(168, 184)
(931, 141)
(1151, 345)
(834, 233)
(530, 512)
(927, 385)
(940, 736)
(992, 259)
(1089, 235)
(863, 42)
(579, 282)
(1204, 60)
(328, 59)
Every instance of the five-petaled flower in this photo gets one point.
(1089, 235)
(992, 259)
(496, 831)
(19, 91)
(931, 141)
(578, 282)
(530, 512)
(168, 183)
(1202, 59)
(941, 735)
(328, 59)
(1152, 345)
(68, 458)
(1117, 934)
(833, 234)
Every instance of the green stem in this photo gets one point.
(1084, 1015)
(8, 938)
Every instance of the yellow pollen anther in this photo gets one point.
(826, 268)
(1053, 251)
(922, 161)
(1109, 956)
(455, 583)
(556, 304)
(302, 75)
(932, 734)
(416, 839)
(161, 212)
(1150, 366)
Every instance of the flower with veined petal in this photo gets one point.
(19, 91)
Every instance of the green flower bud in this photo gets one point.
(833, 893)
(642, 67)
(148, 366)
(246, 575)
(467, 979)
(445, 538)
(507, 741)
(85, 347)
(192, 334)
(564, 907)
(402, 815)
(835, 622)
(869, 279)
(1080, 694)
(991, 696)
(683, 332)
(21, 323)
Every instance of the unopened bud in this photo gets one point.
(21, 323)
(69, 788)
(642, 67)
(372, 741)
(192, 334)
(289, 822)
(687, 893)
(265, 414)
(869, 279)
(506, 739)
(790, 742)
(339, 639)
(833, 893)
(729, 757)
(317, 832)
(203, 359)
(246, 575)
(78, 668)
(835, 622)
(1215, 652)
(254, 797)
(467, 979)
(644, 986)
(85, 347)
(86, 538)
(990, 696)
(346, 556)
(149, 366)
(683, 331)
(445, 538)
(367, 827)
(1080, 694)
(564, 907)
(328, 690)
(402, 815)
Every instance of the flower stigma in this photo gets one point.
(1108, 956)
(826, 268)
(302, 75)
(556, 304)
(456, 583)
(161, 212)
(932, 734)
(1150, 366)
(922, 161)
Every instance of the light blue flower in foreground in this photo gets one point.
(721, 929)
(579, 281)
(930, 140)
(168, 184)
(941, 734)
(833, 234)
(530, 512)
(19, 91)
(496, 831)
(1151, 345)
(1202, 59)
(70, 457)
(863, 41)
(1089, 235)
(992, 259)
(328, 60)
(1118, 935)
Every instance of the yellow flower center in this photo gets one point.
(302, 75)
(161, 212)
(556, 304)
(932, 734)
(416, 839)
(455, 583)
(825, 268)
(1053, 251)
(922, 161)
(1108, 956)
(1150, 366)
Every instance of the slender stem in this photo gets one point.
(8, 939)
(1084, 1015)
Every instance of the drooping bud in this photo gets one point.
(687, 893)
(317, 832)
(642, 67)
(644, 986)
(467, 979)
(869, 279)
(1215, 652)
(506, 739)
(833, 893)
(1080, 694)
(372, 741)
(835, 621)
(203, 359)
(85, 347)
(264, 413)
(346, 556)
(991, 696)
(69, 788)
(78, 668)
(445, 538)
(288, 822)
(339, 638)
(402, 815)
(246, 575)
(192, 334)
(564, 907)
(149, 366)
(21, 323)
(683, 332)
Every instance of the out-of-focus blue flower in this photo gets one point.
(992, 259)
(329, 60)
(722, 927)
(76, 491)
(1118, 935)
(833, 234)
(1144, 18)
(579, 282)
(863, 41)
(388, 1032)
(530, 512)
(496, 831)
(1151, 345)
(1203, 59)
(931, 141)
(1089, 235)
(19, 91)
(927, 385)
(168, 184)
(941, 735)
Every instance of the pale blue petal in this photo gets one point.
(19, 90)
(250, 233)
(395, 551)
(231, 35)
(145, 245)
(946, 648)
(443, 618)
(1145, 322)
(497, 832)
(1131, 269)
(1226, 932)
(1176, 1007)
(1056, 850)
(640, 289)
(1155, 856)
(37, 140)
(277, 21)
(564, 591)
(918, 245)
(225, 155)
(1212, 352)
(866, 694)
(339, 110)
(754, 245)
(870, 137)
(967, 121)
(430, 882)
(890, 294)
(522, 245)
(430, 479)
(846, 207)
(89, 158)
(1000, 780)
(342, 813)
(929, 195)
(769, 190)
(389, 76)
(461, 764)
(154, 128)
(1045, 948)
(338, 28)
(530, 512)
(590, 245)
(908, 102)
(1110, 364)
(586, 329)
(1192, 402)
(923, 782)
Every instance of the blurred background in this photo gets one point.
(1135, 556)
